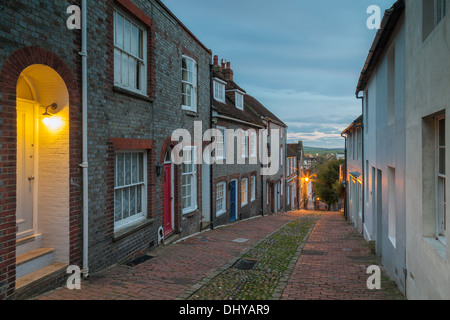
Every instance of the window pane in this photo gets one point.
(119, 169)
(141, 168)
(139, 199)
(118, 205)
(141, 44)
(124, 67)
(127, 169)
(127, 35)
(134, 40)
(132, 72)
(132, 201)
(117, 66)
(126, 203)
(119, 31)
(442, 161)
(442, 132)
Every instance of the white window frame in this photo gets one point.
(244, 144)
(440, 185)
(221, 198)
(219, 90)
(221, 145)
(267, 192)
(244, 192)
(253, 144)
(193, 175)
(141, 183)
(193, 84)
(239, 100)
(138, 57)
(253, 188)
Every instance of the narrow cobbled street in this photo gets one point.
(302, 255)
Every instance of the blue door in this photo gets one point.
(233, 201)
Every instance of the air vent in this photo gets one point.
(246, 264)
(139, 260)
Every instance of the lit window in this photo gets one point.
(129, 54)
(189, 84)
(244, 192)
(188, 181)
(130, 188)
(221, 199)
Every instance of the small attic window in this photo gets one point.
(219, 90)
(239, 100)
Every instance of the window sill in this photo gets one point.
(220, 213)
(437, 245)
(190, 112)
(132, 93)
(125, 232)
(190, 212)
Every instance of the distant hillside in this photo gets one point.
(320, 151)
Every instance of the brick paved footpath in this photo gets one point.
(332, 265)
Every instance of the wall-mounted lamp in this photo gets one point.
(159, 169)
(53, 106)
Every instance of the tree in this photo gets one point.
(327, 182)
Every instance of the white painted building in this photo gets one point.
(427, 102)
(405, 89)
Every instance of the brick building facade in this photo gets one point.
(147, 76)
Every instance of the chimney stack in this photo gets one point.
(216, 60)
(228, 73)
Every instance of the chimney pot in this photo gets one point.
(228, 65)
(216, 60)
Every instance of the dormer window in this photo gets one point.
(239, 100)
(219, 90)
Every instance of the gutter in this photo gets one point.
(84, 164)
(363, 164)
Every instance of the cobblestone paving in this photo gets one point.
(302, 255)
(273, 256)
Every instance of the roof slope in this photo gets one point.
(388, 24)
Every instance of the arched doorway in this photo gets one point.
(42, 170)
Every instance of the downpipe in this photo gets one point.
(84, 165)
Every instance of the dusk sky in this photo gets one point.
(301, 59)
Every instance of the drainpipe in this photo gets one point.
(84, 164)
(211, 171)
(363, 164)
(346, 182)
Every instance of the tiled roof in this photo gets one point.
(229, 109)
(292, 150)
(260, 110)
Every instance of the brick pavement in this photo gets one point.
(326, 269)
(333, 266)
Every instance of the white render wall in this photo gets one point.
(428, 91)
(384, 154)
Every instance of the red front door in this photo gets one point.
(168, 199)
